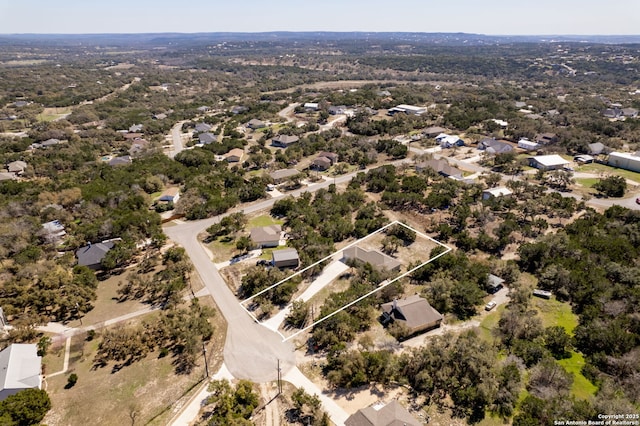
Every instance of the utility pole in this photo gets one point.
(279, 378)
(206, 364)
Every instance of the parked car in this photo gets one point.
(638, 200)
(489, 306)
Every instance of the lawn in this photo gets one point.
(582, 388)
(490, 323)
(222, 248)
(141, 393)
(553, 312)
(604, 169)
(587, 182)
(263, 220)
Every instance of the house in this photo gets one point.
(45, 144)
(392, 414)
(266, 236)
(234, 156)
(20, 104)
(170, 195)
(203, 108)
(432, 132)
(629, 112)
(546, 138)
(542, 293)
(373, 257)
(283, 175)
(239, 110)
(337, 109)
(448, 141)
(20, 368)
(333, 157)
(161, 116)
(207, 138)
(284, 141)
(286, 258)
(548, 162)
(495, 193)
(120, 161)
(494, 283)
(441, 167)
(584, 159)
(137, 146)
(414, 312)
(92, 254)
(321, 163)
(53, 231)
(17, 167)
(407, 109)
(625, 161)
(132, 136)
(493, 146)
(311, 106)
(202, 127)
(7, 176)
(597, 148)
(528, 145)
(256, 124)
(500, 123)
(136, 128)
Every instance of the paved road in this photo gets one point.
(176, 135)
(287, 113)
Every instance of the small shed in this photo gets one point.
(286, 258)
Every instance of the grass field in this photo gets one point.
(142, 393)
(608, 170)
(587, 182)
(263, 220)
(581, 388)
(553, 312)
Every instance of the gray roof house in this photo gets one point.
(494, 283)
(392, 414)
(53, 231)
(202, 127)
(440, 166)
(120, 161)
(286, 258)
(373, 257)
(414, 312)
(254, 123)
(597, 148)
(321, 163)
(20, 368)
(135, 128)
(92, 254)
(266, 236)
(493, 146)
(284, 141)
(432, 132)
(207, 138)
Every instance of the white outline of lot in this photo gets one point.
(338, 252)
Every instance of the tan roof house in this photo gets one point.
(266, 236)
(392, 414)
(234, 156)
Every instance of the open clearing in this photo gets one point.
(144, 392)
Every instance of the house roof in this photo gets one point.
(53, 227)
(120, 161)
(596, 148)
(235, 152)
(203, 127)
(92, 254)
(266, 234)
(20, 367)
(133, 135)
(254, 122)
(285, 139)
(494, 146)
(430, 131)
(7, 176)
(494, 281)
(440, 166)
(498, 192)
(285, 255)
(330, 155)
(373, 257)
(169, 194)
(16, 166)
(415, 311)
(207, 138)
(136, 128)
(392, 414)
(550, 160)
(283, 174)
(323, 162)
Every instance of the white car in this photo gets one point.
(489, 306)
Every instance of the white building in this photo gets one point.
(624, 160)
(548, 162)
(495, 192)
(527, 145)
(20, 368)
(408, 109)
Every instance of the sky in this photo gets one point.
(491, 17)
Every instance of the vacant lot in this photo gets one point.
(141, 393)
